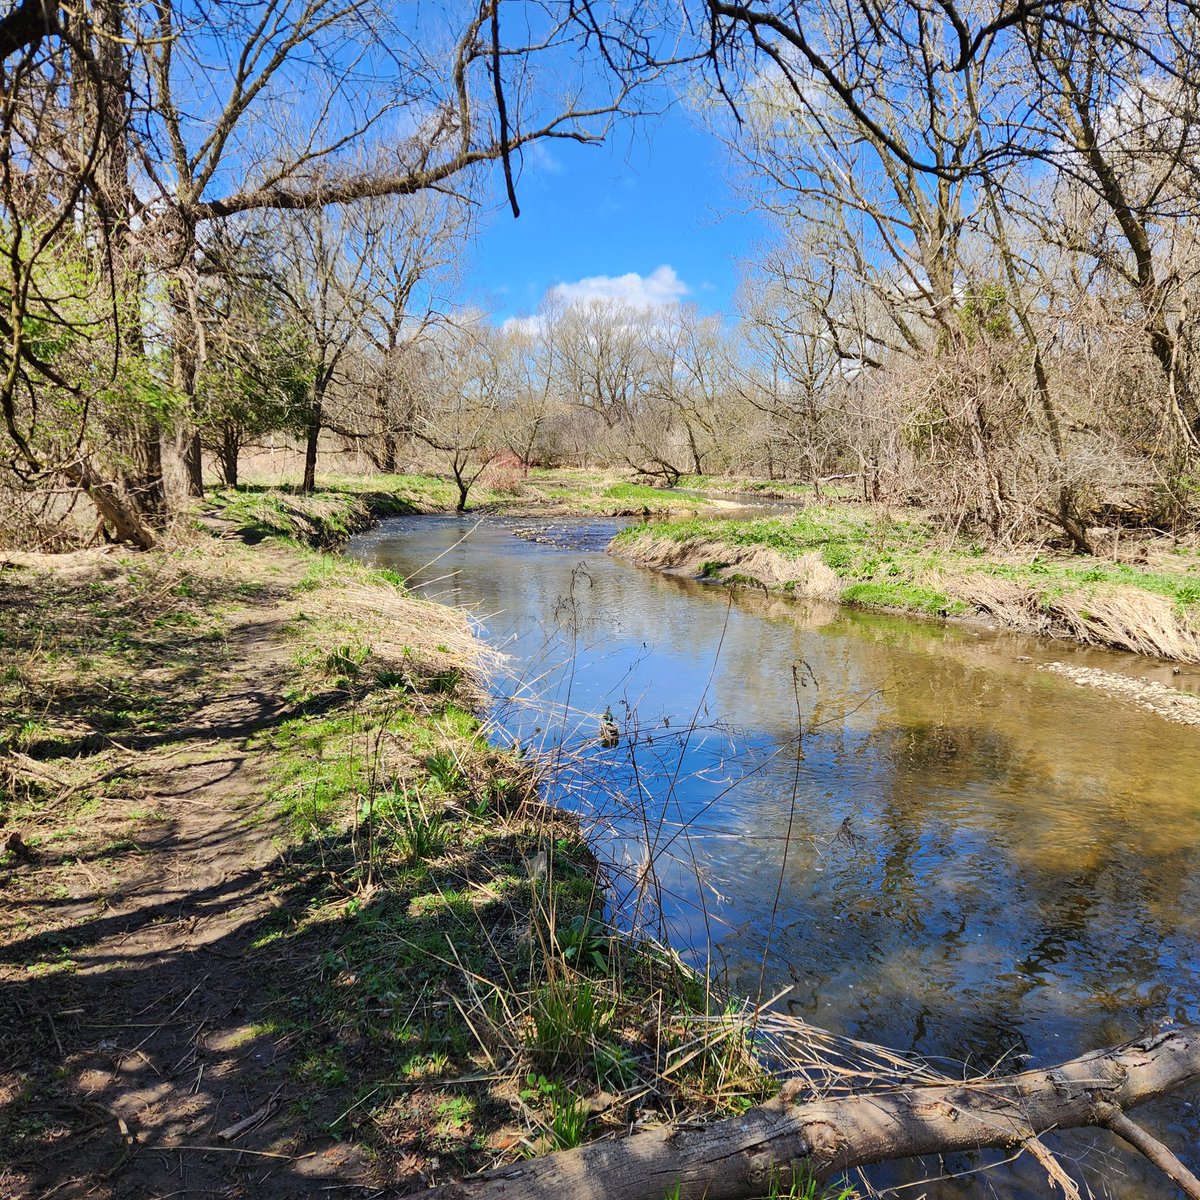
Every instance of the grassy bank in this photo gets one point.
(324, 519)
(1148, 602)
(346, 504)
(272, 890)
(854, 554)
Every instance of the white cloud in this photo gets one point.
(661, 287)
(529, 326)
(543, 162)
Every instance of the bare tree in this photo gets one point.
(412, 252)
(600, 352)
(176, 116)
(531, 399)
(462, 396)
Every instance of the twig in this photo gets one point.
(240, 1150)
(255, 1119)
(54, 1031)
(1156, 1152)
(1053, 1169)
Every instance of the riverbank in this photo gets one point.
(347, 504)
(278, 917)
(867, 557)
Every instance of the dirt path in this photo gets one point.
(132, 1058)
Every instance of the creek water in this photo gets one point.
(930, 843)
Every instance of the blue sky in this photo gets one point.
(655, 198)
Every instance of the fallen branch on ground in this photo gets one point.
(737, 1158)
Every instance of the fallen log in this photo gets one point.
(738, 1158)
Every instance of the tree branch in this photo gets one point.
(26, 25)
(1156, 1152)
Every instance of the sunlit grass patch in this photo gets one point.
(909, 597)
(320, 519)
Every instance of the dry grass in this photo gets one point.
(1120, 618)
(403, 626)
(808, 576)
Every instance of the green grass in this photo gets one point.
(397, 495)
(325, 518)
(1182, 588)
(633, 491)
(907, 596)
(569, 1013)
(767, 488)
(846, 532)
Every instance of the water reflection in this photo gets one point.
(985, 860)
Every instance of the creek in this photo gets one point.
(931, 844)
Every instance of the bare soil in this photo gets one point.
(133, 1060)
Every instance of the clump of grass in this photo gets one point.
(803, 1186)
(568, 1015)
(344, 664)
(444, 769)
(568, 1122)
(421, 832)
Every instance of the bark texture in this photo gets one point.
(735, 1159)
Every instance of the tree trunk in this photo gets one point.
(186, 368)
(144, 477)
(386, 461)
(464, 486)
(114, 199)
(313, 434)
(127, 525)
(193, 464)
(785, 1142)
(697, 465)
(230, 452)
